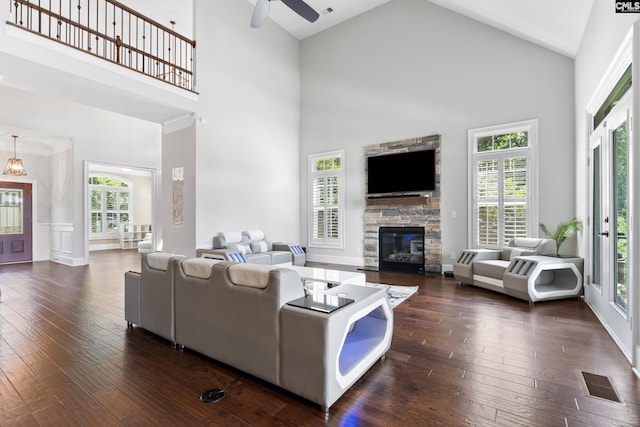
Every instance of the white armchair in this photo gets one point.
(146, 245)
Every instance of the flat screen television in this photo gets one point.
(401, 173)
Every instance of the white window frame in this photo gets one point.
(530, 153)
(104, 188)
(326, 242)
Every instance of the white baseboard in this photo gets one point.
(67, 260)
(611, 333)
(105, 247)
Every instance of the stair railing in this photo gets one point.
(114, 32)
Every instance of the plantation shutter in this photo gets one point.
(501, 200)
(326, 177)
(487, 202)
(319, 208)
(110, 206)
(333, 212)
(515, 198)
(326, 209)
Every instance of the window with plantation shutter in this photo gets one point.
(504, 179)
(109, 204)
(326, 177)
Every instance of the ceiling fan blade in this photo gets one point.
(259, 13)
(302, 9)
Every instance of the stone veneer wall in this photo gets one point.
(405, 211)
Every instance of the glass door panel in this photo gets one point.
(11, 206)
(596, 204)
(620, 228)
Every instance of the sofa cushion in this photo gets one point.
(490, 268)
(509, 253)
(258, 247)
(241, 247)
(264, 258)
(160, 260)
(231, 236)
(261, 246)
(252, 275)
(280, 257)
(254, 234)
(541, 246)
(199, 267)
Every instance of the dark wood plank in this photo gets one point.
(460, 356)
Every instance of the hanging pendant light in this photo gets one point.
(14, 165)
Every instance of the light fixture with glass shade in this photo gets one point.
(14, 165)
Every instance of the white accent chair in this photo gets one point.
(146, 245)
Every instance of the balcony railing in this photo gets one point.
(111, 31)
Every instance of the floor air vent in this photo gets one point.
(600, 386)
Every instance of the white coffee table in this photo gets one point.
(320, 279)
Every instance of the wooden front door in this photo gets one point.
(15, 222)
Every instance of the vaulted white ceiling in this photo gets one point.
(554, 24)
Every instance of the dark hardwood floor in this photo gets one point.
(460, 356)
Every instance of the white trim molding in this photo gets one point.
(61, 245)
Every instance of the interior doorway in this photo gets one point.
(120, 209)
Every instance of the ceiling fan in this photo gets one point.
(298, 6)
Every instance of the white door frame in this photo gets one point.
(628, 53)
(600, 294)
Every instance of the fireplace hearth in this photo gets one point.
(401, 249)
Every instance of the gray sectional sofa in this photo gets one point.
(526, 268)
(252, 247)
(238, 314)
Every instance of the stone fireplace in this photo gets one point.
(422, 212)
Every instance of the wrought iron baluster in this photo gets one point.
(168, 57)
(88, 23)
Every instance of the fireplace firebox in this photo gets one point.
(401, 249)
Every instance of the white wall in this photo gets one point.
(247, 124)
(142, 202)
(409, 69)
(179, 151)
(97, 135)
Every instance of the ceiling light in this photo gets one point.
(14, 165)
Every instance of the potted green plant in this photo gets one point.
(564, 230)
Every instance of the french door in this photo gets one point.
(608, 290)
(15, 222)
